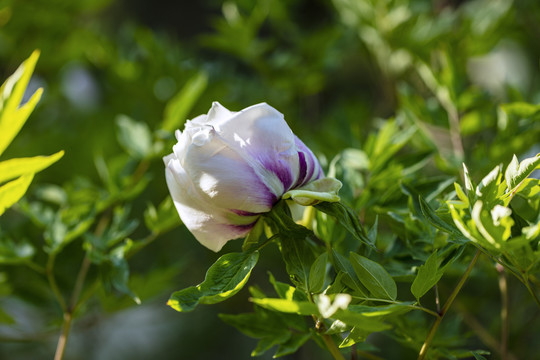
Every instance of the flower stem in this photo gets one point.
(332, 348)
(444, 310)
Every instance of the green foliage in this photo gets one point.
(13, 115)
(392, 96)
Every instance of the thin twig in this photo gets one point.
(49, 269)
(447, 304)
(77, 289)
(503, 287)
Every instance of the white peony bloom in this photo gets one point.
(228, 168)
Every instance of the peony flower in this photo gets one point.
(228, 168)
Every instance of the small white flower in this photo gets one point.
(327, 308)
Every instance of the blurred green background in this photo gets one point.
(336, 69)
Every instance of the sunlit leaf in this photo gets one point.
(13, 168)
(12, 191)
(11, 94)
(224, 278)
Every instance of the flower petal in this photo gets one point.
(225, 179)
(210, 225)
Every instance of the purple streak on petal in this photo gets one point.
(313, 169)
(244, 213)
(302, 169)
(281, 169)
(242, 228)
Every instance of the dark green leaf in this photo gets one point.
(317, 273)
(428, 275)
(292, 345)
(350, 279)
(346, 217)
(374, 277)
(439, 223)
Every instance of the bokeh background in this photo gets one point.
(337, 70)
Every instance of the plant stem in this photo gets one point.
(331, 346)
(503, 287)
(49, 270)
(415, 307)
(525, 281)
(447, 304)
(77, 289)
(61, 346)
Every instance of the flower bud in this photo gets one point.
(228, 168)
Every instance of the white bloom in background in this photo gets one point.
(327, 308)
(228, 168)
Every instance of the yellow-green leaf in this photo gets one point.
(13, 118)
(12, 191)
(13, 168)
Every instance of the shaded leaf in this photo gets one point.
(374, 277)
(428, 275)
(346, 217)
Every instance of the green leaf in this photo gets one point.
(346, 217)
(13, 168)
(296, 248)
(162, 219)
(287, 306)
(436, 221)
(372, 234)
(360, 321)
(317, 273)
(134, 136)
(286, 291)
(118, 270)
(224, 278)
(292, 345)
(428, 275)
(355, 336)
(516, 172)
(252, 238)
(272, 328)
(374, 277)
(487, 188)
(343, 265)
(381, 311)
(12, 191)
(15, 252)
(13, 118)
(180, 105)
